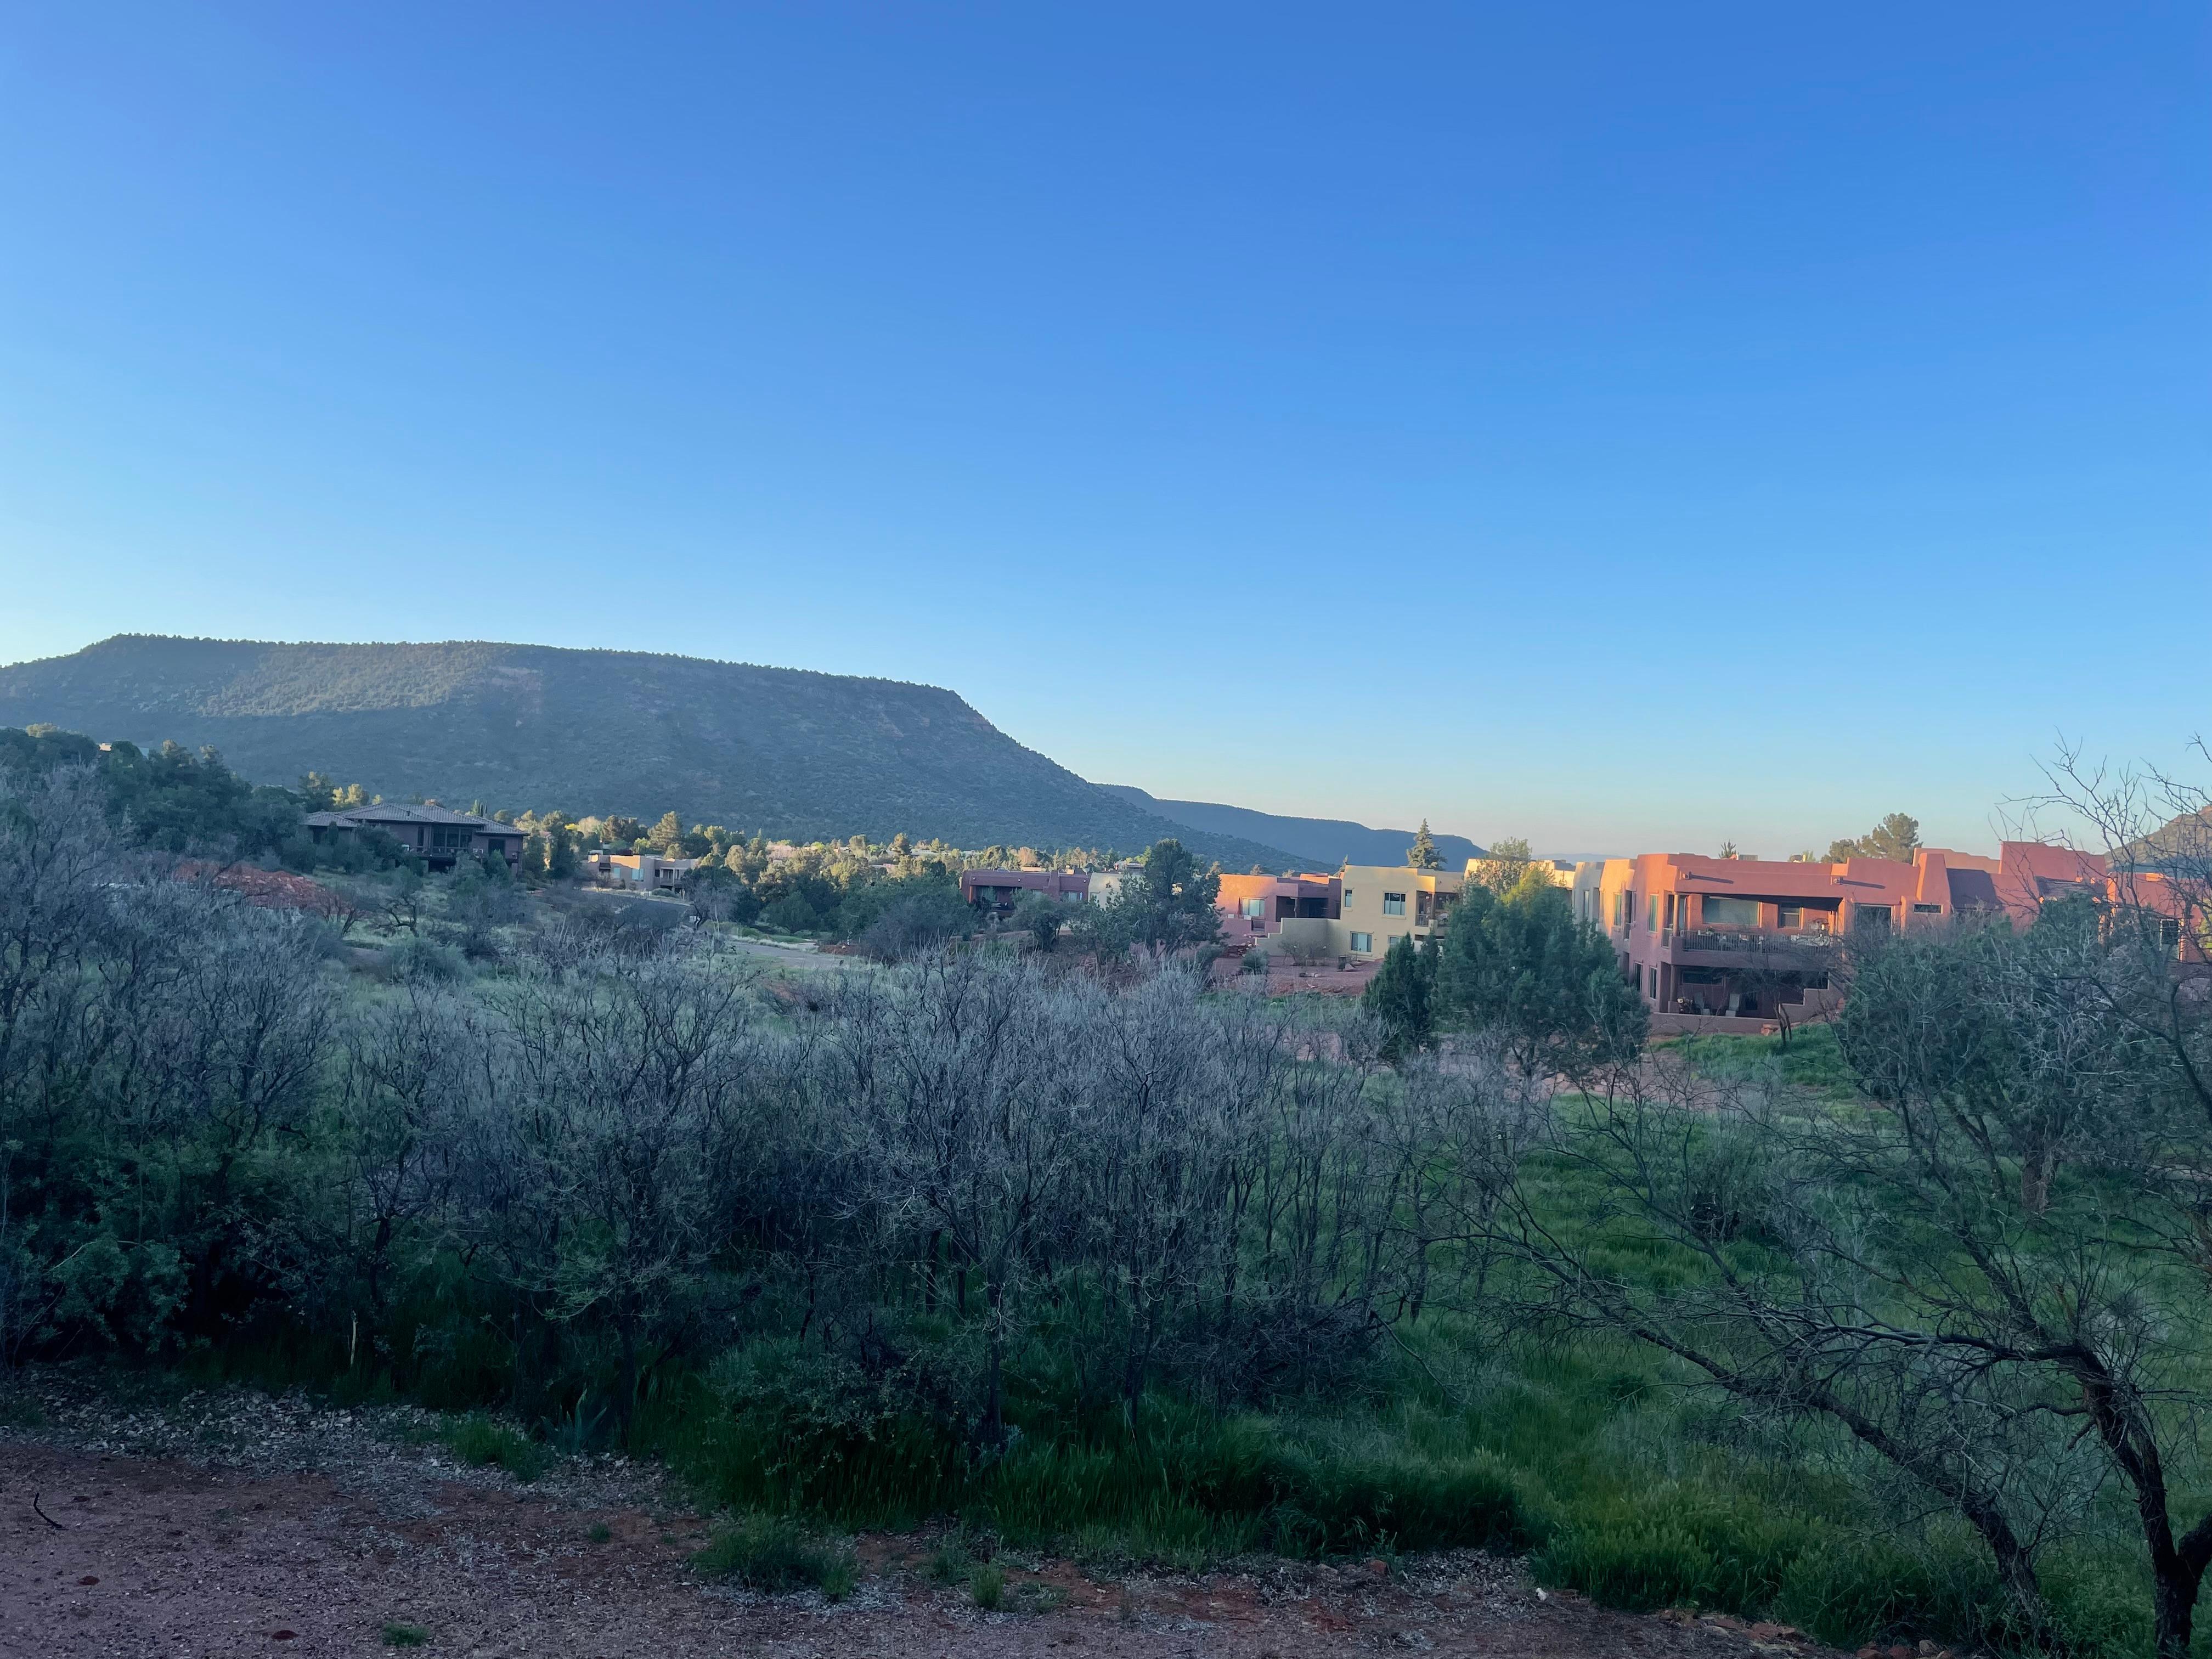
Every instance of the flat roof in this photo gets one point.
(407, 812)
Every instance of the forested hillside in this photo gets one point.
(792, 753)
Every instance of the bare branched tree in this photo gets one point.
(410, 1071)
(1983, 1275)
(617, 1105)
(966, 1093)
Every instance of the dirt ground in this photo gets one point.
(232, 1525)
(1286, 978)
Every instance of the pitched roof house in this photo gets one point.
(437, 836)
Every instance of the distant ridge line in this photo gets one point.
(799, 752)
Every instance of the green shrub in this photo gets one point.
(792, 913)
(404, 1636)
(414, 958)
(574, 1432)
(774, 1554)
(785, 1425)
(478, 1441)
(1325, 1487)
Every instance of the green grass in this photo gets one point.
(987, 1586)
(950, 1562)
(774, 1554)
(1192, 1487)
(404, 1636)
(1811, 1061)
(480, 1442)
(1616, 1480)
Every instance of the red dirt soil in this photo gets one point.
(146, 1556)
(272, 889)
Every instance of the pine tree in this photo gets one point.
(1521, 966)
(1896, 837)
(1423, 854)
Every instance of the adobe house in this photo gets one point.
(642, 870)
(432, 833)
(1256, 907)
(1364, 906)
(1736, 937)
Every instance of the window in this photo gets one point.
(1393, 904)
(1793, 915)
(1255, 910)
(1872, 915)
(1927, 909)
(1364, 942)
(1722, 912)
(1651, 915)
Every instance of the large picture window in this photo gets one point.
(1393, 904)
(1363, 942)
(1723, 912)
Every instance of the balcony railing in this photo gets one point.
(1754, 938)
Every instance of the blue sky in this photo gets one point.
(1627, 426)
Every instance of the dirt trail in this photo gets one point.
(114, 1552)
